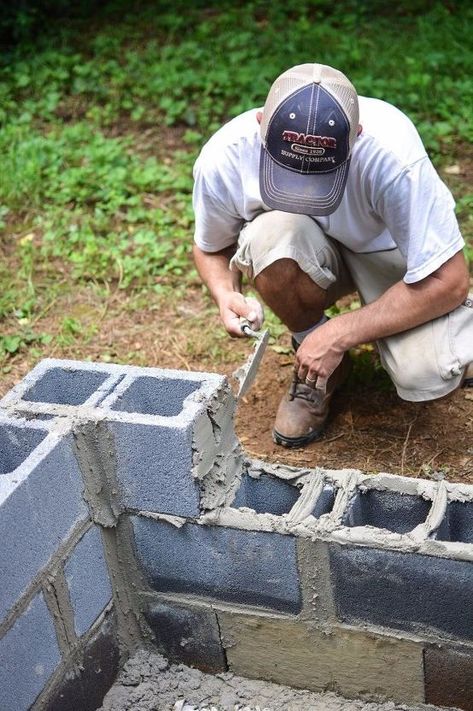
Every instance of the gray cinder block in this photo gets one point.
(154, 467)
(403, 590)
(16, 445)
(266, 494)
(96, 671)
(391, 510)
(88, 581)
(54, 386)
(29, 654)
(40, 502)
(224, 563)
(65, 387)
(458, 523)
(155, 396)
(325, 502)
(167, 439)
(174, 448)
(187, 634)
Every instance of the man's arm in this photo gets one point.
(400, 308)
(225, 288)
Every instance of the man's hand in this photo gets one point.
(234, 306)
(319, 355)
(225, 288)
(401, 307)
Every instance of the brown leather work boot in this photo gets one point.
(302, 412)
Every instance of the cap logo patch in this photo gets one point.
(308, 139)
(307, 143)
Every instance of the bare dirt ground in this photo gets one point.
(370, 428)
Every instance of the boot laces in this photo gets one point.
(300, 390)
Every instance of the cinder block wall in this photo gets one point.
(56, 608)
(143, 523)
(82, 446)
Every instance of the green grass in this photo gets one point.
(83, 197)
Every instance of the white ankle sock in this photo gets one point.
(300, 335)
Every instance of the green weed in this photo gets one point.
(12, 344)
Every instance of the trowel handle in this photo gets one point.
(246, 329)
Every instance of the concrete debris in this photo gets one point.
(149, 683)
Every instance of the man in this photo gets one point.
(320, 193)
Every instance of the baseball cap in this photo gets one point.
(309, 126)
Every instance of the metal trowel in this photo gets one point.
(246, 373)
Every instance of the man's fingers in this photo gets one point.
(308, 375)
(255, 313)
(318, 382)
(310, 380)
(234, 308)
(232, 324)
(247, 308)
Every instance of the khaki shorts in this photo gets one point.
(424, 363)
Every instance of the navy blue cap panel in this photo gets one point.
(290, 191)
(309, 132)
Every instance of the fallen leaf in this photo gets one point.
(453, 169)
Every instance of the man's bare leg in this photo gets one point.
(299, 303)
(291, 294)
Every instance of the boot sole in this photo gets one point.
(295, 442)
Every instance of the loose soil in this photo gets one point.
(149, 683)
(369, 428)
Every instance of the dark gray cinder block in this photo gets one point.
(40, 504)
(163, 437)
(187, 635)
(87, 578)
(155, 396)
(391, 510)
(325, 502)
(29, 654)
(168, 429)
(65, 386)
(16, 444)
(154, 467)
(266, 494)
(449, 677)
(224, 563)
(458, 523)
(96, 672)
(403, 590)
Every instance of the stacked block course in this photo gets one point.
(82, 446)
(131, 517)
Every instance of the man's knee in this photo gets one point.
(428, 362)
(412, 380)
(275, 235)
(279, 275)
(416, 375)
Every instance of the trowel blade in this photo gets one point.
(246, 373)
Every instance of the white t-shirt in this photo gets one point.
(393, 196)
